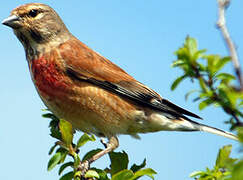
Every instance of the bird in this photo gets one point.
(84, 88)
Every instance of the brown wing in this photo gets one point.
(84, 64)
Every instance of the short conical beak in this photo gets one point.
(12, 21)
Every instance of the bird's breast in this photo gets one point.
(48, 77)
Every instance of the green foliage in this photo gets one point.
(215, 87)
(226, 168)
(118, 169)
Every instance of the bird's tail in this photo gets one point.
(195, 126)
(217, 131)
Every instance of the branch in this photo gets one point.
(221, 24)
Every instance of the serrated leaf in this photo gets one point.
(64, 166)
(91, 174)
(84, 139)
(67, 176)
(123, 175)
(91, 153)
(177, 82)
(136, 167)
(119, 161)
(66, 131)
(205, 103)
(144, 172)
(54, 161)
(223, 156)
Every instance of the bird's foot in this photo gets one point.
(84, 167)
(103, 141)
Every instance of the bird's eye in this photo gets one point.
(33, 13)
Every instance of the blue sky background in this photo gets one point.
(140, 36)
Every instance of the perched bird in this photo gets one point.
(93, 94)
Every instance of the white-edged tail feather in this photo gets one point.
(159, 122)
(216, 131)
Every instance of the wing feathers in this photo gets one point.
(144, 99)
(84, 64)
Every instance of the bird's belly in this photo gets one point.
(92, 109)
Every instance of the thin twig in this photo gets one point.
(221, 24)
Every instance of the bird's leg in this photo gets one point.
(110, 146)
(103, 141)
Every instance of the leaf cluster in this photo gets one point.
(117, 170)
(215, 87)
(226, 168)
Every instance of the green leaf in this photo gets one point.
(203, 85)
(84, 139)
(64, 153)
(119, 161)
(123, 175)
(240, 133)
(66, 131)
(102, 174)
(76, 161)
(67, 176)
(197, 173)
(91, 174)
(77, 175)
(225, 76)
(55, 133)
(64, 166)
(199, 54)
(136, 167)
(177, 82)
(178, 63)
(54, 161)
(223, 156)
(91, 153)
(52, 149)
(205, 103)
(191, 44)
(144, 172)
(237, 173)
(189, 93)
(220, 64)
(212, 60)
(50, 116)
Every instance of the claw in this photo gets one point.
(102, 140)
(84, 167)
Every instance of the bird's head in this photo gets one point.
(35, 24)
